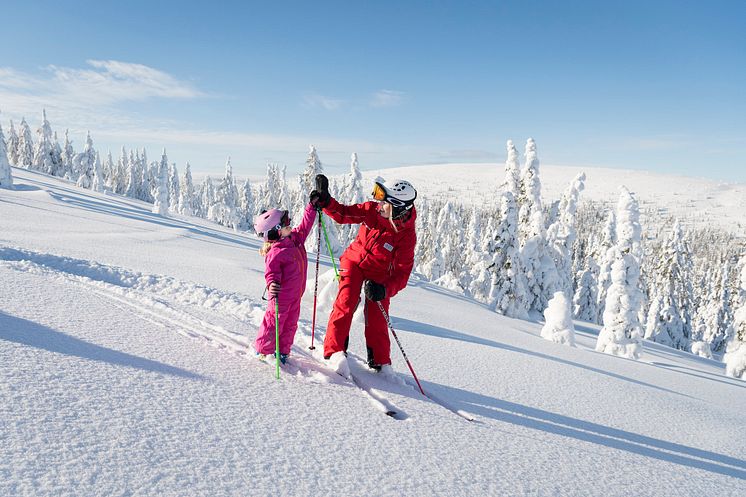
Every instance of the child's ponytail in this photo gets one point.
(265, 249)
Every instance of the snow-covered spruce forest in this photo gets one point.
(669, 281)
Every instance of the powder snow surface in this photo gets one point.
(124, 371)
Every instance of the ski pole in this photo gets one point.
(329, 247)
(388, 321)
(316, 284)
(277, 338)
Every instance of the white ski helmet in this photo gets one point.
(399, 193)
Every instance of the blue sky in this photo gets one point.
(648, 85)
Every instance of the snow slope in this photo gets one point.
(123, 352)
(697, 201)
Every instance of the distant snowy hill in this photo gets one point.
(696, 201)
(124, 371)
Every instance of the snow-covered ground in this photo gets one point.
(124, 371)
(696, 201)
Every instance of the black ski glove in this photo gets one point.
(320, 197)
(319, 200)
(374, 291)
(274, 289)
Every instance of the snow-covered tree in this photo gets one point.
(118, 178)
(98, 183)
(541, 272)
(530, 215)
(735, 352)
(12, 145)
(83, 163)
(57, 157)
(512, 182)
(585, 298)
(605, 252)
(622, 333)
(444, 259)
(561, 234)
(716, 314)
(669, 318)
(107, 168)
(133, 187)
(351, 194)
(246, 203)
(174, 188)
(269, 198)
(508, 293)
(558, 326)
(25, 151)
(452, 238)
(146, 179)
(160, 205)
(186, 193)
(284, 198)
(481, 265)
(68, 159)
(701, 349)
(44, 147)
(424, 248)
(355, 193)
(313, 167)
(6, 176)
(224, 208)
(472, 249)
(206, 197)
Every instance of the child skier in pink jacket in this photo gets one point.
(286, 263)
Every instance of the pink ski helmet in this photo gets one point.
(269, 223)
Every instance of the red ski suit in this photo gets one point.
(380, 254)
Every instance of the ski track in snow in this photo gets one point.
(192, 310)
(160, 298)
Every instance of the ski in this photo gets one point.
(383, 404)
(357, 364)
(376, 399)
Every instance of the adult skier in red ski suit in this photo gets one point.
(380, 259)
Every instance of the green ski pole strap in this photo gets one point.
(277, 338)
(329, 246)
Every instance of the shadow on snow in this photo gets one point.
(24, 332)
(439, 332)
(557, 424)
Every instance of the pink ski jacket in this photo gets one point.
(287, 261)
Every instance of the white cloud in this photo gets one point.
(94, 98)
(328, 103)
(387, 98)
(106, 82)
(112, 81)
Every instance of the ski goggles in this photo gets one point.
(379, 193)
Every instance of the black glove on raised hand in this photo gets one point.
(322, 184)
(374, 291)
(320, 197)
(318, 200)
